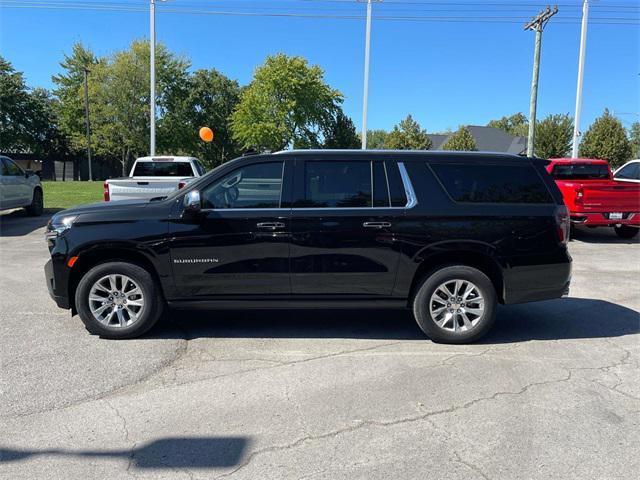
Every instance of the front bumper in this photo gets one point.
(53, 285)
(603, 219)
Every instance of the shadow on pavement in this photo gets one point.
(17, 223)
(604, 235)
(171, 453)
(568, 318)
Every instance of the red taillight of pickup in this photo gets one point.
(105, 191)
(563, 223)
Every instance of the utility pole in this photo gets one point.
(537, 24)
(365, 100)
(152, 42)
(86, 116)
(583, 44)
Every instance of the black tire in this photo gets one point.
(463, 334)
(149, 314)
(37, 204)
(626, 232)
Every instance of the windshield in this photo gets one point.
(163, 169)
(581, 171)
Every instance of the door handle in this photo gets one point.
(270, 225)
(376, 224)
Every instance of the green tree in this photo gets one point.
(408, 135)
(15, 110)
(516, 124)
(69, 91)
(118, 98)
(461, 140)
(377, 139)
(554, 135)
(607, 139)
(206, 99)
(341, 133)
(287, 103)
(47, 139)
(634, 139)
(28, 122)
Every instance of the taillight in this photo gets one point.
(579, 195)
(181, 185)
(105, 192)
(563, 223)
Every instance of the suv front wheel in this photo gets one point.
(118, 300)
(455, 304)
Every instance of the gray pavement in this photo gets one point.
(553, 392)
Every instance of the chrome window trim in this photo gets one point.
(412, 200)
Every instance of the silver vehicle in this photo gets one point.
(153, 177)
(19, 188)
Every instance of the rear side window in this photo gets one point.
(492, 183)
(163, 169)
(380, 186)
(339, 184)
(580, 171)
(396, 187)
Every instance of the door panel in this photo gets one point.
(341, 242)
(239, 243)
(228, 253)
(332, 252)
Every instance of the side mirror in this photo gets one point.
(29, 173)
(192, 202)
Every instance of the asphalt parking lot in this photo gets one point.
(553, 392)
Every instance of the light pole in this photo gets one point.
(365, 100)
(152, 42)
(583, 44)
(86, 118)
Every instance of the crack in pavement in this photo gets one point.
(409, 419)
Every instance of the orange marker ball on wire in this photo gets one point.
(206, 134)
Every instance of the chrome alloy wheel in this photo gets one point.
(456, 305)
(116, 301)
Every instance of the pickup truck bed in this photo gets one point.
(153, 177)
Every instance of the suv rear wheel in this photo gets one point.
(118, 300)
(455, 304)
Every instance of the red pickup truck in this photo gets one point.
(593, 198)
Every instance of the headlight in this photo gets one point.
(57, 225)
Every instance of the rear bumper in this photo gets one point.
(57, 293)
(537, 282)
(603, 220)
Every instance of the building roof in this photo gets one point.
(488, 139)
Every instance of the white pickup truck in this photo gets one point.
(153, 177)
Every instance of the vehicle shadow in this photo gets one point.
(17, 223)
(169, 453)
(568, 318)
(603, 235)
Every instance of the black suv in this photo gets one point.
(446, 234)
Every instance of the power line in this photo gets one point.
(466, 18)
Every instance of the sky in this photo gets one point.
(445, 73)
